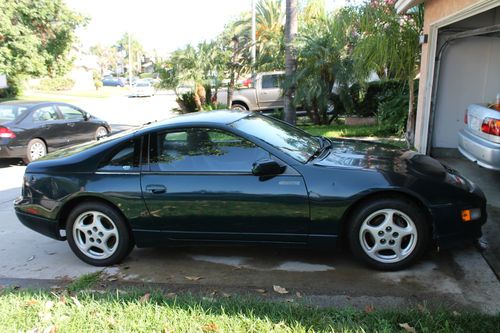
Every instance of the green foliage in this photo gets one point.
(36, 37)
(107, 57)
(56, 84)
(393, 112)
(134, 53)
(146, 75)
(15, 87)
(187, 102)
(363, 100)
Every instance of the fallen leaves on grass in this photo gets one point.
(210, 327)
(298, 294)
(193, 278)
(50, 329)
(408, 328)
(280, 290)
(171, 295)
(77, 302)
(369, 308)
(262, 291)
(145, 298)
(31, 302)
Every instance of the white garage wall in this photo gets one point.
(470, 73)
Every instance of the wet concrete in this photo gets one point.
(456, 279)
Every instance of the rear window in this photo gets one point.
(11, 112)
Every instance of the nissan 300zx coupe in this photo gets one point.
(228, 177)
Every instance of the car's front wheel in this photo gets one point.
(238, 107)
(98, 234)
(388, 234)
(100, 132)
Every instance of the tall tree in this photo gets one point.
(389, 44)
(36, 37)
(290, 59)
(135, 53)
(107, 57)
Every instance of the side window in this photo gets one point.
(70, 113)
(124, 158)
(204, 150)
(271, 81)
(46, 113)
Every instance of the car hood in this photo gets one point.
(383, 157)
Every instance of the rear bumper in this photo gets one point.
(479, 150)
(12, 152)
(46, 227)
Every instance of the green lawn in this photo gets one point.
(158, 311)
(347, 131)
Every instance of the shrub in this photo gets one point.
(146, 75)
(187, 103)
(56, 84)
(14, 88)
(393, 112)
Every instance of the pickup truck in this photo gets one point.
(265, 93)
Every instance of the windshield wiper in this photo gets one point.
(325, 144)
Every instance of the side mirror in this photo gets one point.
(86, 116)
(267, 167)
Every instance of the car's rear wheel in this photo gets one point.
(238, 107)
(100, 132)
(98, 234)
(388, 234)
(35, 150)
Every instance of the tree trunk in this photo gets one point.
(290, 59)
(230, 89)
(410, 124)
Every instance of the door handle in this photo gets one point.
(156, 189)
(71, 124)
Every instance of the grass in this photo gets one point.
(85, 281)
(348, 131)
(132, 311)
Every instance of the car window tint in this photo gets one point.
(205, 150)
(70, 113)
(45, 113)
(11, 112)
(125, 158)
(270, 81)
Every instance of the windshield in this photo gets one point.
(11, 112)
(290, 140)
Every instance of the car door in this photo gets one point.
(79, 128)
(271, 95)
(199, 185)
(48, 125)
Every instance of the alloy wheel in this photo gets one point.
(95, 235)
(388, 236)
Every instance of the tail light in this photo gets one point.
(247, 83)
(491, 126)
(6, 133)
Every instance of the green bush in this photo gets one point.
(364, 100)
(14, 88)
(146, 75)
(56, 84)
(186, 103)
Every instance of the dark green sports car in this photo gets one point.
(231, 177)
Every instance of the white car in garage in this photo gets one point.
(142, 89)
(479, 140)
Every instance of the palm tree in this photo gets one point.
(290, 58)
(389, 44)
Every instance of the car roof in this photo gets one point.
(30, 103)
(221, 117)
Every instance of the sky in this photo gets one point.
(161, 25)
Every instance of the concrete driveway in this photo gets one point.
(457, 279)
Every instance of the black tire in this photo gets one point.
(238, 107)
(122, 245)
(31, 155)
(100, 129)
(396, 252)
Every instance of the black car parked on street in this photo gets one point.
(29, 130)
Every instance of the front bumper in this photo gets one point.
(45, 226)
(449, 229)
(479, 150)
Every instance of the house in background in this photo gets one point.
(460, 65)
